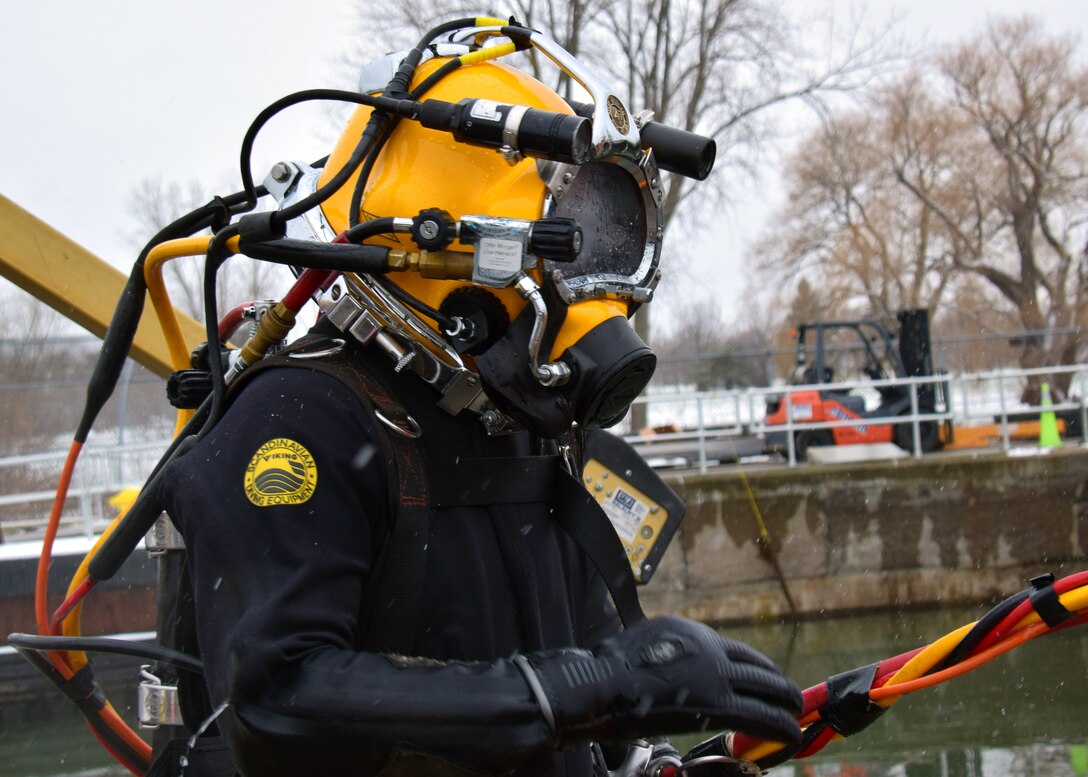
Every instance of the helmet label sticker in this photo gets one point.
(281, 472)
(499, 255)
(497, 261)
(488, 110)
(626, 512)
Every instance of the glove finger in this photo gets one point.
(741, 653)
(762, 719)
(766, 685)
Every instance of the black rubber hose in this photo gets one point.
(121, 647)
(115, 347)
(414, 303)
(343, 257)
(368, 229)
(218, 253)
(143, 513)
(139, 519)
(85, 694)
(387, 126)
(400, 107)
(380, 126)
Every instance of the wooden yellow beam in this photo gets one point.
(75, 282)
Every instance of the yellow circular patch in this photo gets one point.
(281, 472)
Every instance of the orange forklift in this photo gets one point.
(869, 348)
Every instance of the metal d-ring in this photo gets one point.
(412, 432)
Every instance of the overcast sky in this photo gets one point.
(100, 95)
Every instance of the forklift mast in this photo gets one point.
(916, 350)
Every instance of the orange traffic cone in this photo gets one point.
(1049, 437)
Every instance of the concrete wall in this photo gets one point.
(947, 529)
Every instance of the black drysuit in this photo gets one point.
(281, 606)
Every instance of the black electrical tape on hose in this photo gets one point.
(115, 346)
(518, 35)
(146, 509)
(849, 708)
(83, 691)
(126, 316)
(81, 688)
(343, 257)
(260, 226)
(1045, 601)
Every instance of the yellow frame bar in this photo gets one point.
(73, 281)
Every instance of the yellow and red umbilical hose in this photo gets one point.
(1012, 623)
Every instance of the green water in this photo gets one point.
(1024, 714)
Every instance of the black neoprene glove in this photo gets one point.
(662, 676)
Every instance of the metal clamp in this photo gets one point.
(157, 703)
(163, 536)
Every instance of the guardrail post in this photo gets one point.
(791, 453)
(1083, 408)
(1005, 444)
(702, 434)
(915, 427)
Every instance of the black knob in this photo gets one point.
(558, 239)
(433, 229)
(186, 389)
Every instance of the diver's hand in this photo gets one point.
(662, 676)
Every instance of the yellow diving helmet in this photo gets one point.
(529, 232)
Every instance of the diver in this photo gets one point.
(379, 576)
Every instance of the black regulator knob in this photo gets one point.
(558, 239)
(484, 314)
(433, 229)
(187, 389)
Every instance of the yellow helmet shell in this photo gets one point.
(421, 168)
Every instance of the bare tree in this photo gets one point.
(1025, 98)
(873, 246)
(717, 67)
(973, 170)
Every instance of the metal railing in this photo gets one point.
(102, 472)
(709, 427)
(709, 423)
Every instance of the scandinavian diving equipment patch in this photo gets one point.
(281, 472)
